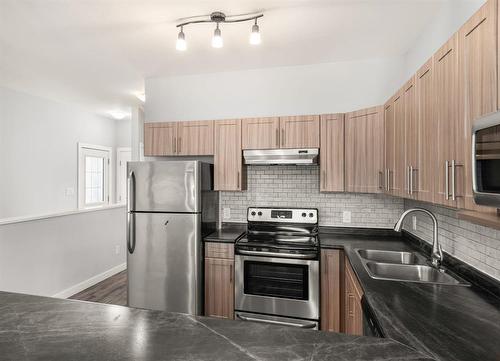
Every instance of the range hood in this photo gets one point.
(281, 156)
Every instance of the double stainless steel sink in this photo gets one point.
(406, 267)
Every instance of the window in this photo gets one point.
(93, 175)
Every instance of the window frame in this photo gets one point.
(84, 150)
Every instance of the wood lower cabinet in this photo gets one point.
(300, 131)
(228, 163)
(331, 289)
(332, 153)
(160, 139)
(219, 280)
(260, 133)
(353, 312)
(195, 138)
(478, 74)
(364, 150)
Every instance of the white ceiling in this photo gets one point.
(97, 53)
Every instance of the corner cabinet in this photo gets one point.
(219, 280)
(228, 163)
(332, 153)
(353, 312)
(364, 150)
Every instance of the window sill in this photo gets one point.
(14, 220)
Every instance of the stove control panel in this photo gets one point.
(283, 215)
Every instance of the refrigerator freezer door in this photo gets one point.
(165, 186)
(164, 269)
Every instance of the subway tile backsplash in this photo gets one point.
(474, 244)
(298, 186)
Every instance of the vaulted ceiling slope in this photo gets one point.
(96, 53)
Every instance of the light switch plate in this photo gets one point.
(226, 213)
(346, 217)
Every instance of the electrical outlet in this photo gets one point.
(117, 249)
(414, 222)
(346, 217)
(226, 212)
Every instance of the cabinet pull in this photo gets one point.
(179, 145)
(407, 180)
(446, 180)
(350, 304)
(380, 179)
(324, 178)
(277, 137)
(411, 180)
(454, 166)
(238, 181)
(174, 144)
(282, 136)
(231, 273)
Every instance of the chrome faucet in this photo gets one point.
(437, 251)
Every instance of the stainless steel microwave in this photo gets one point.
(486, 160)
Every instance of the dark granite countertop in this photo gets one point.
(446, 322)
(42, 328)
(228, 233)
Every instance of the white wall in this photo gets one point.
(38, 151)
(48, 256)
(453, 15)
(311, 89)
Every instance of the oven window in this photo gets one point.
(276, 280)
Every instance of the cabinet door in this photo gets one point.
(332, 153)
(411, 140)
(195, 138)
(260, 133)
(353, 312)
(478, 80)
(331, 289)
(449, 127)
(394, 151)
(228, 167)
(219, 288)
(364, 150)
(299, 131)
(426, 173)
(160, 139)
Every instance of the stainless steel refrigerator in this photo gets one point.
(171, 207)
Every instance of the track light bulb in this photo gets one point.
(255, 35)
(217, 41)
(181, 44)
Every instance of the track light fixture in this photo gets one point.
(217, 18)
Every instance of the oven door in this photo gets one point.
(277, 286)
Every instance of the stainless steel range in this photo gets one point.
(277, 268)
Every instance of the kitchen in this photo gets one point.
(356, 228)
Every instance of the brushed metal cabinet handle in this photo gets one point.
(380, 179)
(231, 273)
(277, 137)
(238, 181)
(407, 180)
(130, 215)
(324, 179)
(174, 145)
(179, 145)
(283, 137)
(411, 180)
(446, 180)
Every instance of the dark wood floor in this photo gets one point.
(112, 290)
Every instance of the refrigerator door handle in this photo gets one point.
(130, 215)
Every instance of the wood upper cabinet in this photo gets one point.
(411, 140)
(478, 74)
(227, 156)
(394, 145)
(260, 133)
(219, 280)
(425, 175)
(160, 139)
(332, 153)
(332, 263)
(299, 131)
(353, 313)
(449, 167)
(195, 138)
(364, 150)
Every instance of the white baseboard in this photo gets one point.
(68, 292)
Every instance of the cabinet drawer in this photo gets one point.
(219, 250)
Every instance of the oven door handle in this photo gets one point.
(281, 323)
(276, 254)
